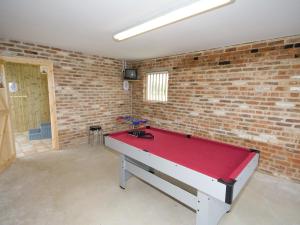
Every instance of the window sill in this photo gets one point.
(156, 102)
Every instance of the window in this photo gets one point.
(157, 86)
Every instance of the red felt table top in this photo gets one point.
(211, 158)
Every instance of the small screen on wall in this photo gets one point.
(130, 74)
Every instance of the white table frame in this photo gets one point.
(213, 199)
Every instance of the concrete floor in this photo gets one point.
(80, 186)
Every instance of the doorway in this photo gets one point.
(29, 84)
(29, 100)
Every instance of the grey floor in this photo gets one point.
(80, 186)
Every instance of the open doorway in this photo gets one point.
(30, 111)
(29, 85)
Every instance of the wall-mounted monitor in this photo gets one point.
(130, 74)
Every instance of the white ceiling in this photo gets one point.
(88, 25)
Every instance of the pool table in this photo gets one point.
(217, 171)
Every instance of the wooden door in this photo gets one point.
(7, 145)
(30, 103)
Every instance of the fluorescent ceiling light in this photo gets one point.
(172, 17)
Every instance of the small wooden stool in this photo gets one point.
(95, 131)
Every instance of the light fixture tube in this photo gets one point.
(172, 17)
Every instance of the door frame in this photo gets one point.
(9, 155)
(51, 90)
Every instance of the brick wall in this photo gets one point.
(247, 95)
(88, 88)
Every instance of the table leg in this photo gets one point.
(101, 137)
(209, 210)
(98, 137)
(93, 136)
(124, 174)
